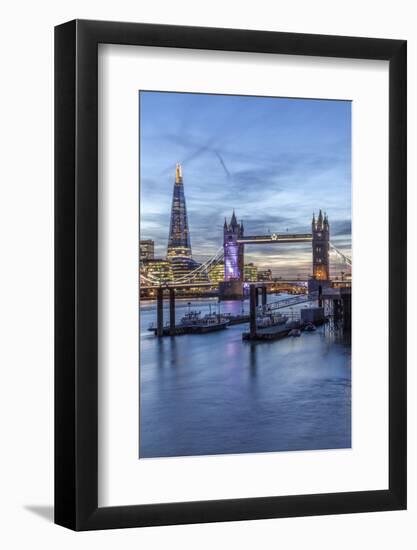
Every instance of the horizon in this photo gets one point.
(273, 160)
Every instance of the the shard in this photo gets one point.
(179, 243)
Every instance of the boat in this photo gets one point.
(236, 319)
(195, 324)
(310, 327)
(190, 318)
(295, 332)
(268, 333)
(271, 320)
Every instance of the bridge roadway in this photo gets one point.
(259, 283)
(173, 284)
(276, 238)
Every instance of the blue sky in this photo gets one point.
(274, 160)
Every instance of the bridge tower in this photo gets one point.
(233, 252)
(321, 231)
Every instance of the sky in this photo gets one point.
(273, 160)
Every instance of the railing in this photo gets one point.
(275, 238)
(204, 268)
(288, 302)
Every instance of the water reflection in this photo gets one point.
(213, 393)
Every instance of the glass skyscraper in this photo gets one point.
(179, 242)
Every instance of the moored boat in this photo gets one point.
(271, 320)
(194, 323)
(236, 319)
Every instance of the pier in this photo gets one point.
(171, 328)
(337, 303)
(332, 303)
(278, 331)
(160, 330)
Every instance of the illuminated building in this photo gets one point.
(182, 268)
(250, 273)
(158, 271)
(233, 252)
(216, 273)
(179, 243)
(265, 275)
(320, 243)
(146, 249)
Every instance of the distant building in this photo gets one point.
(250, 273)
(156, 271)
(187, 269)
(179, 242)
(265, 275)
(146, 249)
(216, 273)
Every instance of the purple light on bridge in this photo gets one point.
(231, 263)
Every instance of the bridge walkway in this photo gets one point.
(288, 302)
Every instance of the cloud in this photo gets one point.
(341, 227)
(274, 161)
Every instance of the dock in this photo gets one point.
(168, 331)
(237, 319)
(332, 303)
(178, 330)
(268, 333)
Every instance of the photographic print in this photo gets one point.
(245, 274)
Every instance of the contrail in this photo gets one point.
(222, 163)
(199, 151)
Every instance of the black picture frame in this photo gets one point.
(76, 272)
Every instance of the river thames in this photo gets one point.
(212, 393)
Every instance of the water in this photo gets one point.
(212, 393)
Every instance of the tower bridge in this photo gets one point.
(181, 270)
(234, 241)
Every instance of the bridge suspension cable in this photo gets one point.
(341, 254)
(149, 280)
(207, 266)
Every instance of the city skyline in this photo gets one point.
(273, 160)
